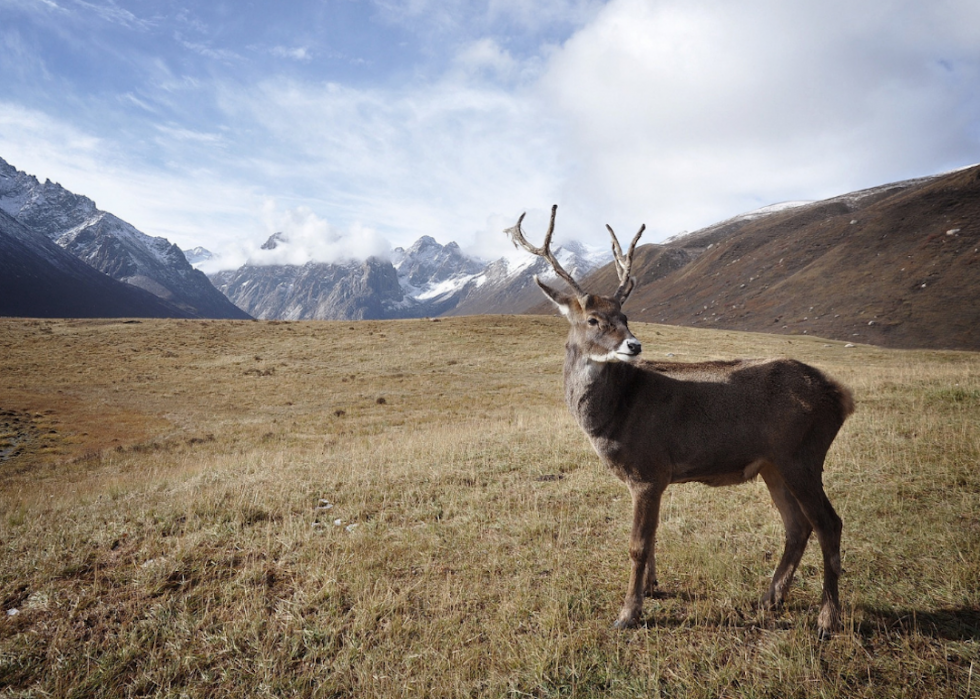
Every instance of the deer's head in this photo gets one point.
(598, 325)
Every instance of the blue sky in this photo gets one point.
(356, 125)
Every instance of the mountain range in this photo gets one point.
(896, 265)
(426, 279)
(107, 244)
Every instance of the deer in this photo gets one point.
(657, 423)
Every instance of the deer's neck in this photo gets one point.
(599, 394)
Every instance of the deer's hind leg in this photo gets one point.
(798, 529)
(807, 487)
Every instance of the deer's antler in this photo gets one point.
(517, 237)
(624, 264)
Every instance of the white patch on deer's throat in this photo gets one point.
(607, 357)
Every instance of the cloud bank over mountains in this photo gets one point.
(297, 236)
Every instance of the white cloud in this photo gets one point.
(486, 56)
(541, 14)
(181, 134)
(300, 53)
(427, 160)
(109, 12)
(308, 238)
(203, 49)
(509, 19)
(684, 113)
(46, 147)
(187, 203)
(18, 57)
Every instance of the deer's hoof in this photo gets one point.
(627, 620)
(769, 603)
(828, 623)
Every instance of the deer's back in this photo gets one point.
(708, 419)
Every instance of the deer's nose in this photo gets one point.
(634, 346)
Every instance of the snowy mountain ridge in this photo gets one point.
(109, 244)
(426, 279)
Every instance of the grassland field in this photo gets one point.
(406, 508)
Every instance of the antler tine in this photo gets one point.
(624, 263)
(517, 237)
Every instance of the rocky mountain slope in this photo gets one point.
(350, 290)
(897, 265)
(508, 287)
(315, 291)
(109, 244)
(39, 279)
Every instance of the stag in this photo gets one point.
(717, 422)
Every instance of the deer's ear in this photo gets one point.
(562, 300)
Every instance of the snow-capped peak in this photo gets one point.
(198, 255)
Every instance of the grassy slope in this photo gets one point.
(159, 530)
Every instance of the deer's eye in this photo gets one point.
(593, 321)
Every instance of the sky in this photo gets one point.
(359, 125)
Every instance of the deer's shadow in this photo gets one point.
(949, 624)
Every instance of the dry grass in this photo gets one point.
(162, 531)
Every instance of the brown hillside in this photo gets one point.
(897, 266)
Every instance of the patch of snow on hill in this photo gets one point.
(440, 289)
(772, 209)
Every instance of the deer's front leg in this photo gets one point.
(650, 583)
(646, 512)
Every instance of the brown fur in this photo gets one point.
(719, 423)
